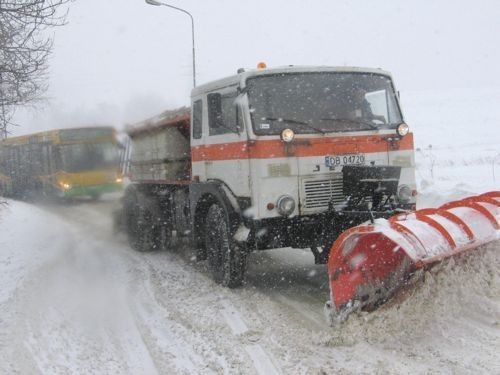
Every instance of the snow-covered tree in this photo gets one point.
(25, 47)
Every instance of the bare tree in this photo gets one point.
(25, 46)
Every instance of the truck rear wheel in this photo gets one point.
(226, 259)
(143, 228)
(149, 232)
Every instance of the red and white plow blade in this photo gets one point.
(369, 263)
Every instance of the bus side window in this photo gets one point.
(35, 159)
(45, 159)
(58, 161)
(197, 119)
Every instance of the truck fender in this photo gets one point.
(202, 196)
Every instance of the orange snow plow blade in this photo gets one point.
(369, 263)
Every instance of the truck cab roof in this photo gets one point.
(240, 78)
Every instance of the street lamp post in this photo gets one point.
(157, 3)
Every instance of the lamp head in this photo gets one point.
(153, 2)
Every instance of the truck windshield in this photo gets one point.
(322, 102)
(80, 157)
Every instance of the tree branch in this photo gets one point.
(24, 51)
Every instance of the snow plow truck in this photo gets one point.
(284, 157)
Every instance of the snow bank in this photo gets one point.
(25, 232)
(457, 142)
(452, 316)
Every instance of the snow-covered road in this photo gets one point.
(76, 299)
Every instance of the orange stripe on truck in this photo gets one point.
(301, 147)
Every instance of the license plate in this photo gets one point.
(341, 160)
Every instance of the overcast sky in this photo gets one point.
(120, 61)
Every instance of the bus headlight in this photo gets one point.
(404, 193)
(65, 185)
(119, 180)
(285, 205)
(287, 135)
(403, 129)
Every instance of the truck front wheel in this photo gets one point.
(226, 258)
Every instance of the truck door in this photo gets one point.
(226, 156)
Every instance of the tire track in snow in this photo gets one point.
(261, 360)
(275, 302)
(161, 300)
(314, 316)
(279, 296)
(167, 336)
(70, 311)
(292, 280)
(187, 302)
(138, 356)
(91, 315)
(233, 318)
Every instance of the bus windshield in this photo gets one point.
(322, 102)
(81, 157)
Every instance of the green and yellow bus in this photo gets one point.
(61, 163)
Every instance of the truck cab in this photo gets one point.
(279, 139)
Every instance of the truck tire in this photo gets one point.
(226, 258)
(148, 230)
(143, 230)
(129, 220)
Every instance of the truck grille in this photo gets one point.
(318, 192)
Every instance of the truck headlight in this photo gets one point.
(285, 205)
(402, 129)
(287, 135)
(404, 193)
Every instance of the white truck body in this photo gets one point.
(286, 156)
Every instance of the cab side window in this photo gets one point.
(197, 119)
(223, 116)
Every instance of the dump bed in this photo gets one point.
(160, 148)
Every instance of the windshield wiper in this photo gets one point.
(371, 126)
(292, 121)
